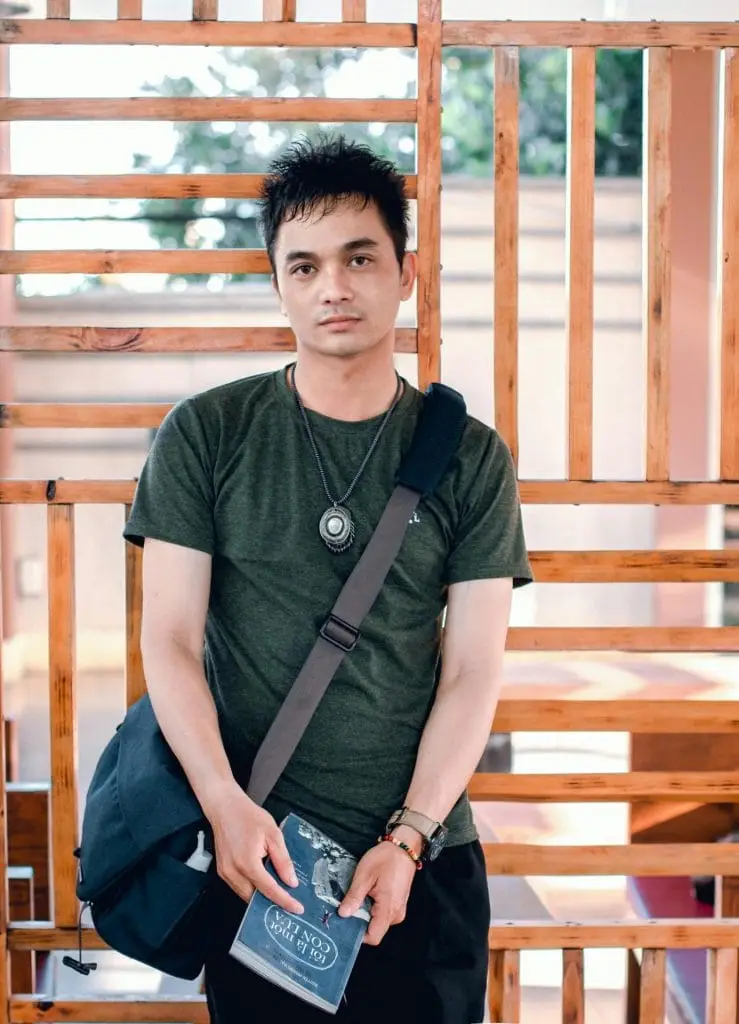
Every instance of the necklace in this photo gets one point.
(336, 526)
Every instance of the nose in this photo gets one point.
(335, 285)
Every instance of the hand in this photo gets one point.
(385, 873)
(244, 834)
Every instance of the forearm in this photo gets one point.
(452, 744)
(187, 716)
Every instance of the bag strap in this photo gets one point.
(435, 441)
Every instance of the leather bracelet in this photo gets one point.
(387, 838)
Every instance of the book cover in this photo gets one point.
(310, 954)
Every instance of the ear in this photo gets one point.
(408, 275)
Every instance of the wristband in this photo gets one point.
(387, 838)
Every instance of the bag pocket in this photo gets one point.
(156, 914)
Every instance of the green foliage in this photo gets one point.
(467, 127)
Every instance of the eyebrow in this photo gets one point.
(351, 246)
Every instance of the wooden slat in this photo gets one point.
(504, 985)
(604, 34)
(68, 338)
(729, 219)
(206, 33)
(63, 712)
(57, 8)
(130, 9)
(141, 186)
(657, 253)
(126, 1011)
(353, 10)
(653, 639)
(279, 10)
(654, 859)
(573, 986)
(640, 716)
(635, 566)
(702, 787)
(135, 681)
(505, 315)
(723, 968)
(230, 108)
(652, 989)
(82, 415)
(685, 933)
(579, 266)
(428, 160)
(532, 492)
(205, 10)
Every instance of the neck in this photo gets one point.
(345, 392)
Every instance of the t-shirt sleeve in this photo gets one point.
(489, 541)
(175, 496)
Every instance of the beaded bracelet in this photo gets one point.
(387, 838)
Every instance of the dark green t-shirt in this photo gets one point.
(231, 473)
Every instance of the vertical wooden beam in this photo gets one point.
(506, 245)
(130, 10)
(504, 986)
(8, 311)
(135, 683)
(279, 10)
(205, 10)
(353, 10)
(652, 996)
(657, 208)
(428, 204)
(63, 712)
(723, 969)
(729, 220)
(57, 8)
(4, 894)
(573, 986)
(580, 249)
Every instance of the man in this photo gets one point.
(255, 502)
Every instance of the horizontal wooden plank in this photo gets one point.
(637, 716)
(653, 859)
(703, 787)
(142, 186)
(111, 1009)
(686, 933)
(622, 566)
(214, 33)
(629, 492)
(532, 493)
(624, 638)
(76, 492)
(607, 34)
(94, 414)
(229, 108)
(68, 338)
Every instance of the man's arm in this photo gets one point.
(452, 742)
(458, 726)
(176, 590)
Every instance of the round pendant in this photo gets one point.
(336, 528)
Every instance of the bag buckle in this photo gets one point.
(339, 633)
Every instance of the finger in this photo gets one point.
(377, 929)
(267, 885)
(355, 897)
(280, 858)
(240, 885)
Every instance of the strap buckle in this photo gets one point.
(339, 633)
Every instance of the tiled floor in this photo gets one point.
(101, 703)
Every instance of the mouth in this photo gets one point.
(339, 321)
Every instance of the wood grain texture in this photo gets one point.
(573, 986)
(652, 990)
(135, 681)
(729, 277)
(504, 986)
(603, 34)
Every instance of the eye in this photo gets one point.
(365, 260)
(301, 270)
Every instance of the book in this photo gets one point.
(311, 954)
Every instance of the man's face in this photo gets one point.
(339, 281)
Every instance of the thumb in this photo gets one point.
(360, 887)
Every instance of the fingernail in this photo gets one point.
(294, 879)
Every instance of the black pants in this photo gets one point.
(431, 969)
